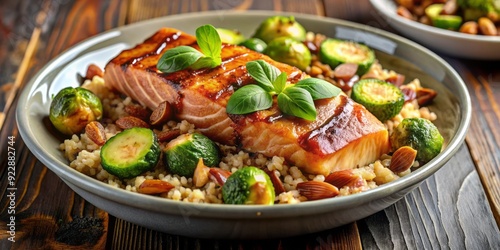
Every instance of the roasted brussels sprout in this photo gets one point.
(254, 44)
(130, 152)
(248, 185)
(420, 134)
(290, 51)
(183, 153)
(230, 36)
(335, 52)
(280, 26)
(73, 108)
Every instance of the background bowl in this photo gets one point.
(445, 41)
(233, 221)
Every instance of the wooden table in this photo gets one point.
(457, 208)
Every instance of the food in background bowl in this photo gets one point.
(481, 17)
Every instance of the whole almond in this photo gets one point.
(131, 122)
(93, 70)
(161, 114)
(166, 136)
(95, 132)
(277, 183)
(317, 190)
(487, 26)
(219, 175)
(469, 27)
(341, 178)
(138, 111)
(402, 159)
(150, 186)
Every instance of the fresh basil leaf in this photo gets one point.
(264, 73)
(177, 59)
(248, 99)
(204, 62)
(280, 82)
(297, 102)
(318, 88)
(209, 41)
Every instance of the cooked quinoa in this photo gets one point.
(84, 155)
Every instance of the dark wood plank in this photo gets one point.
(46, 209)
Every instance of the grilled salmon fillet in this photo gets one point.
(343, 136)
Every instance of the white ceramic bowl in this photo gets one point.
(440, 40)
(238, 221)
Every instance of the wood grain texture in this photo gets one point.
(485, 130)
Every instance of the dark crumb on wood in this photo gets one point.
(80, 231)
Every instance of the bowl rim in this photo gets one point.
(157, 204)
(382, 7)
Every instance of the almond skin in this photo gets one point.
(277, 183)
(95, 132)
(219, 175)
(166, 136)
(402, 159)
(341, 178)
(131, 122)
(317, 190)
(154, 187)
(161, 114)
(138, 111)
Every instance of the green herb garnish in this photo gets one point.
(182, 57)
(293, 99)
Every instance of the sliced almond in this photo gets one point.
(200, 176)
(219, 175)
(161, 114)
(317, 190)
(166, 136)
(402, 159)
(277, 183)
(95, 132)
(138, 111)
(154, 187)
(341, 178)
(131, 122)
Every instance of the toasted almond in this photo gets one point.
(131, 122)
(161, 114)
(95, 132)
(154, 187)
(317, 190)
(486, 26)
(166, 136)
(425, 96)
(469, 27)
(277, 183)
(219, 175)
(341, 178)
(93, 70)
(404, 12)
(138, 111)
(450, 8)
(402, 159)
(200, 176)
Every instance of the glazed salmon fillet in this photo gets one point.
(343, 136)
